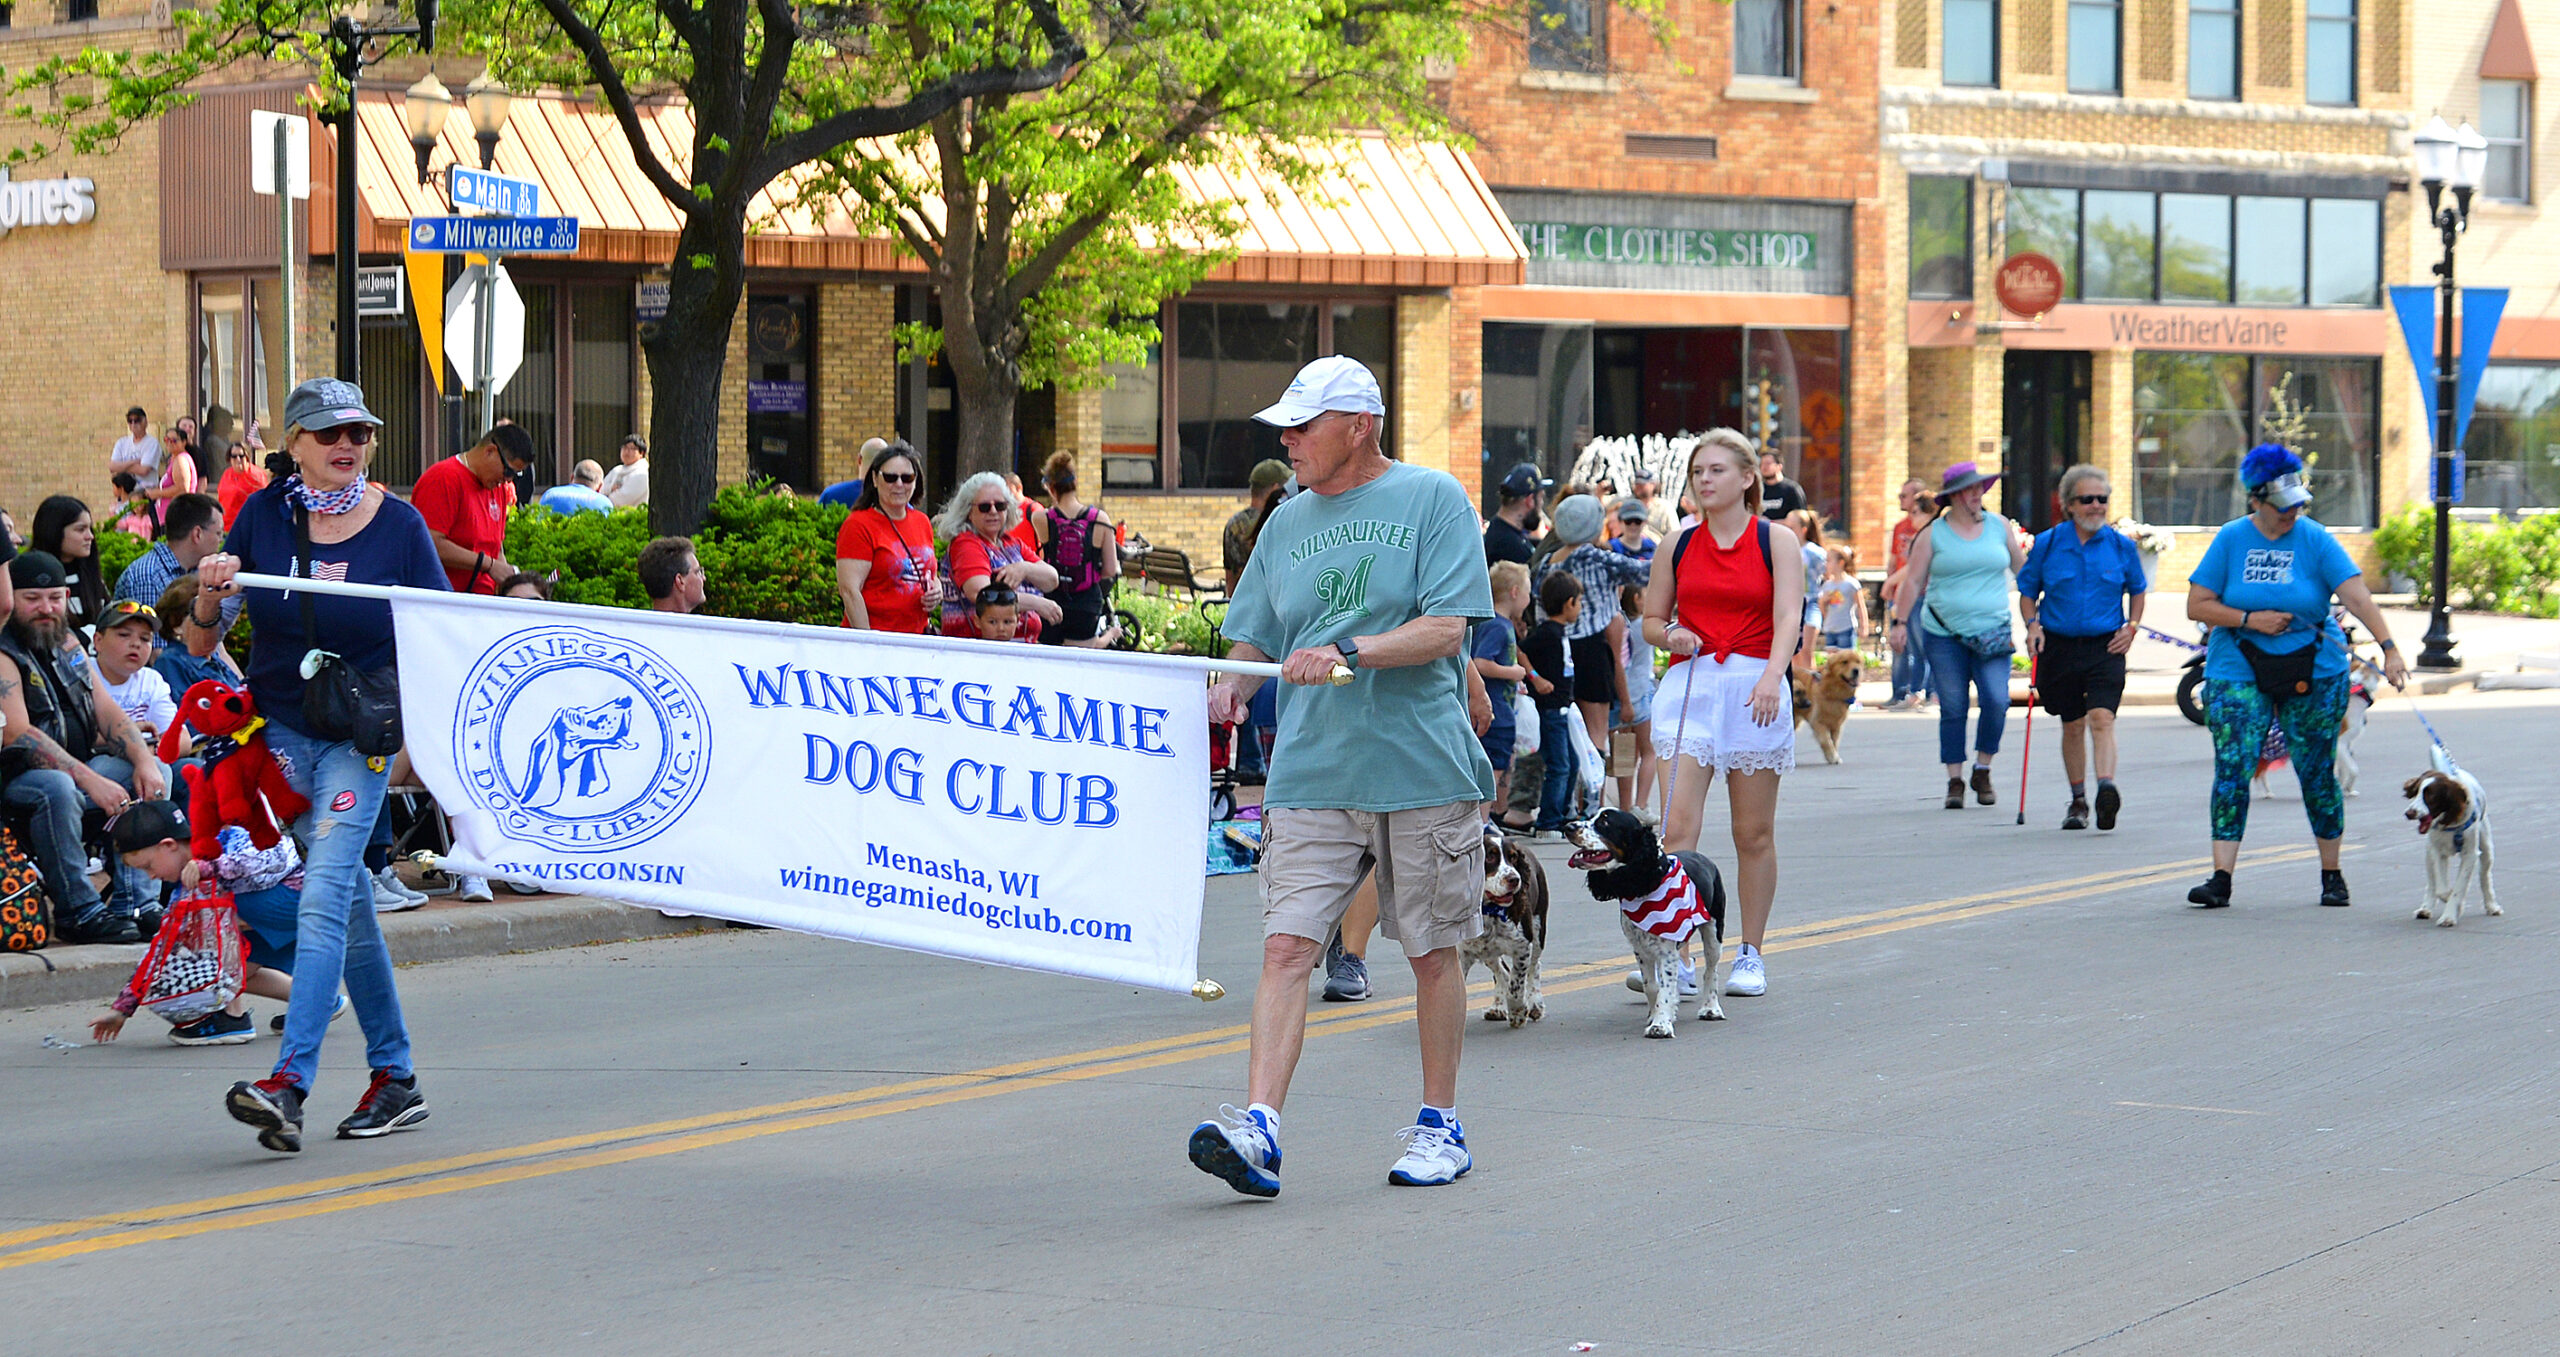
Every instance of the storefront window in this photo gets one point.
(1368, 332)
(240, 352)
(2195, 247)
(2346, 252)
(532, 397)
(2196, 414)
(1793, 406)
(387, 359)
(2512, 451)
(2116, 231)
(1236, 357)
(778, 443)
(2270, 249)
(600, 332)
(1132, 415)
(1941, 237)
(1537, 398)
(268, 382)
(2047, 221)
(221, 325)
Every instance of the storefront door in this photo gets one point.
(778, 348)
(2045, 409)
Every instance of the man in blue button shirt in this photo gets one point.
(2081, 595)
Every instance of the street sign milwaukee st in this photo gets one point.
(494, 235)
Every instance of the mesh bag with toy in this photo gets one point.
(198, 960)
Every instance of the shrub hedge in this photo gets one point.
(2505, 566)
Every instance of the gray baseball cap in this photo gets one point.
(326, 403)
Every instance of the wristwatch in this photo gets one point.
(1350, 651)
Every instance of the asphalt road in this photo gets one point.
(2007, 1095)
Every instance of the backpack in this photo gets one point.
(1075, 548)
(23, 920)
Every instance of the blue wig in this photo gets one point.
(2265, 462)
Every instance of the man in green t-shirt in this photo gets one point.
(1375, 574)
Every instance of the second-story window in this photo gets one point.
(2213, 49)
(1569, 35)
(2506, 119)
(80, 11)
(2329, 52)
(1972, 51)
(1766, 43)
(2096, 37)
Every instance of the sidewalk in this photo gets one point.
(440, 930)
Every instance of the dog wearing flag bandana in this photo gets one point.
(1662, 899)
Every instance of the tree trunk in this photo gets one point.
(986, 393)
(688, 359)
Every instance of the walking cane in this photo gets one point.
(2028, 745)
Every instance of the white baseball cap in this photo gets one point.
(1336, 383)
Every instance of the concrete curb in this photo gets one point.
(439, 932)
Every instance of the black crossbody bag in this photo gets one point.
(2280, 676)
(340, 702)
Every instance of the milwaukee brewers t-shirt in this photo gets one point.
(2296, 573)
(1363, 563)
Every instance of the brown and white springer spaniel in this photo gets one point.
(2452, 814)
(1515, 931)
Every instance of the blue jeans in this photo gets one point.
(1555, 751)
(335, 933)
(1910, 667)
(1264, 714)
(1952, 666)
(54, 805)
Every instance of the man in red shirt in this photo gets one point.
(465, 501)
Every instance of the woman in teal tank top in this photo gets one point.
(1966, 559)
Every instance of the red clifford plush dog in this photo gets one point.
(237, 768)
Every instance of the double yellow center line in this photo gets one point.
(623, 1145)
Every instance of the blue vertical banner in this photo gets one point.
(2482, 309)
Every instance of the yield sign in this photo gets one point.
(462, 322)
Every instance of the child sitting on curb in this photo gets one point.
(266, 885)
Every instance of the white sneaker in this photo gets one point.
(475, 888)
(1635, 981)
(1688, 981)
(1434, 1155)
(1748, 977)
(388, 900)
(391, 878)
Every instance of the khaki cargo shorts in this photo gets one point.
(1430, 865)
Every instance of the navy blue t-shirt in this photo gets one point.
(1492, 641)
(393, 549)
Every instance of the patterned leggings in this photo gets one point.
(2238, 715)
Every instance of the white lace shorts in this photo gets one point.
(1706, 715)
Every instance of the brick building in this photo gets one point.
(2475, 61)
(2224, 190)
(1702, 216)
(158, 284)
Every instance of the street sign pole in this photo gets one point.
(284, 229)
(484, 325)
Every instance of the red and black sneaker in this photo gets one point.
(274, 1106)
(388, 1105)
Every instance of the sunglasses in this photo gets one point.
(125, 610)
(993, 506)
(356, 434)
(2088, 499)
(898, 477)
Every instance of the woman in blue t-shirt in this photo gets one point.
(362, 535)
(2264, 587)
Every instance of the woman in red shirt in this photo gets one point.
(1730, 612)
(984, 553)
(884, 553)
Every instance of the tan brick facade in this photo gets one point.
(856, 395)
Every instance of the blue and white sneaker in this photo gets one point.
(1240, 1147)
(1688, 980)
(1748, 977)
(1435, 1153)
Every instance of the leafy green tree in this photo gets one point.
(1055, 224)
(773, 87)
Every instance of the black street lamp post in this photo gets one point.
(348, 39)
(2457, 157)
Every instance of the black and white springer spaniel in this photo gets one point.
(1662, 898)
(1515, 931)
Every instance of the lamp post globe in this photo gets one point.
(423, 108)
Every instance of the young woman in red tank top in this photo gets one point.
(1730, 615)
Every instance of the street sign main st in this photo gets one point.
(497, 194)
(494, 235)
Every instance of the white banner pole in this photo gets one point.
(587, 612)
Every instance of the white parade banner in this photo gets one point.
(1025, 805)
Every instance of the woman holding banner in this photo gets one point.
(885, 570)
(325, 520)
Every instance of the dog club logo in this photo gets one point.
(579, 742)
